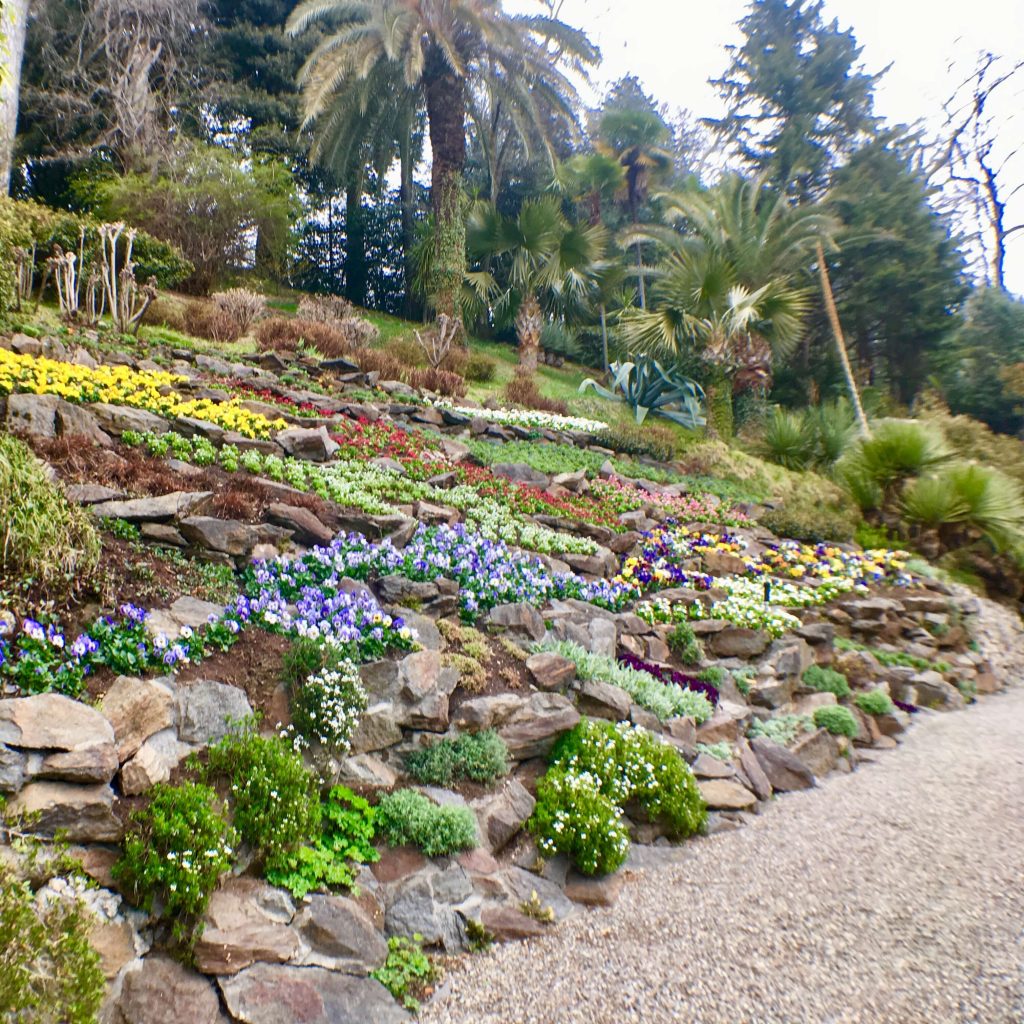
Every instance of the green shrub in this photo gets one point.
(274, 796)
(896, 451)
(683, 643)
(480, 369)
(43, 537)
(480, 757)
(789, 439)
(573, 817)
(331, 860)
(826, 680)
(650, 440)
(837, 720)
(874, 702)
(781, 729)
(407, 970)
(408, 818)
(871, 537)
(49, 971)
(175, 850)
(813, 510)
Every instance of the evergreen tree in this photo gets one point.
(898, 275)
(799, 100)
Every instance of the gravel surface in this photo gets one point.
(894, 895)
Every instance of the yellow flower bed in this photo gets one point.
(119, 385)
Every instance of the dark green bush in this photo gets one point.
(175, 850)
(480, 757)
(826, 680)
(683, 643)
(274, 796)
(651, 440)
(407, 818)
(480, 369)
(837, 720)
(874, 702)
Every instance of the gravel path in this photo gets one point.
(894, 895)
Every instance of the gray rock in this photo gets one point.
(784, 770)
(726, 795)
(166, 506)
(396, 589)
(502, 815)
(161, 989)
(224, 535)
(340, 935)
(188, 426)
(378, 729)
(136, 710)
(163, 534)
(303, 443)
(12, 769)
(84, 813)
(116, 419)
(482, 713)
(153, 763)
(520, 473)
(247, 922)
(75, 421)
(550, 671)
(602, 700)
(523, 884)
(423, 904)
(91, 494)
(737, 642)
(32, 414)
(509, 924)
(708, 767)
(305, 526)
(595, 633)
(533, 729)
(934, 692)
(367, 770)
(206, 708)
(818, 750)
(521, 621)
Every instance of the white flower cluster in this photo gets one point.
(328, 708)
(529, 418)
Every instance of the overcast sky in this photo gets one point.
(675, 46)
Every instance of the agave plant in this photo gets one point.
(647, 387)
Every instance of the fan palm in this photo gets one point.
(537, 260)
(443, 49)
(729, 285)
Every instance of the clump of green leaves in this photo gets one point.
(48, 969)
(407, 970)
(721, 751)
(781, 729)
(480, 757)
(683, 643)
(837, 720)
(42, 535)
(596, 769)
(826, 680)
(332, 859)
(175, 850)
(408, 818)
(274, 796)
(874, 702)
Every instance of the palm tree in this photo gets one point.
(443, 48)
(539, 263)
(637, 139)
(728, 290)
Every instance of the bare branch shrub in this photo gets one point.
(244, 306)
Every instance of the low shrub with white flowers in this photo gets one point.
(275, 798)
(175, 850)
(624, 764)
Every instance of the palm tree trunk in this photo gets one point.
(634, 213)
(446, 117)
(718, 391)
(356, 270)
(529, 325)
(13, 26)
(408, 205)
(604, 337)
(837, 333)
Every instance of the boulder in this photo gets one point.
(708, 767)
(721, 563)
(423, 904)
(225, 535)
(593, 632)
(594, 892)
(161, 990)
(818, 751)
(533, 729)
(136, 710)
(934, 692)
(602, 700)
(340, 935)
(772, 691)
(115, 943)
(523, 884)
(314, 445)
(75, 421)
(550, 671)
(727, 723)
(502, 815)
(367, 770)
(302, 523)
(206, 708)
(116, 419)
(91, 494)
(520, 473)
(738, 642)
(191, 612)
(755, 774)
(726, 795)
(84, 813)
(378, 729)
(397, 589)
(509, 924)
(77, 742)
(520, 621)
(274, 994)
(144, 510)
(248, 921)
(784, 770)
(482, 713)
(153, 763)
(32, 414)
(13, 764)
